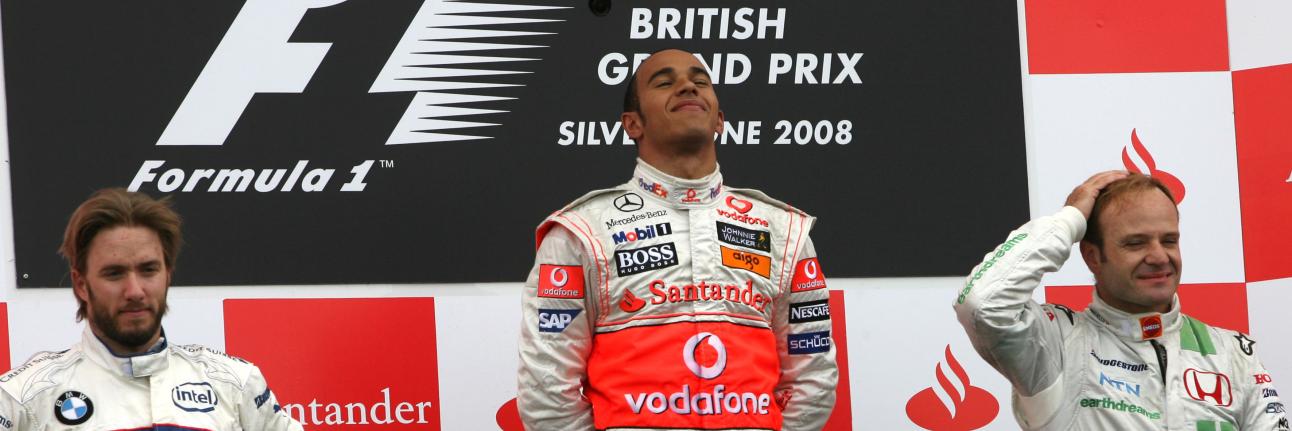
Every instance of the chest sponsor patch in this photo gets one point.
(550, 320)
(73, 408)
(744, 237)
(748, 261)
(807, 276)
(560, 281)
(1208, 387)
(810, 342)
(810, 311)
(640, 233)
(195, 397)
(1119, 385)
(1118, 364)
(629, 262)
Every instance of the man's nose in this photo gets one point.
(1156, 254)
(685, 86)
(133, 286)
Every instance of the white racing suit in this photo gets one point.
(168, 388)
(1104, 369)
(676, 304)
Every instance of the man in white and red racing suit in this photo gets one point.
(672, 303)
(1132, 360)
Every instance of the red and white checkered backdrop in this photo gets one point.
(1198, 93)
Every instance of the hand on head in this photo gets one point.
(1083, 197)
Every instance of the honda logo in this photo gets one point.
(1207, 386)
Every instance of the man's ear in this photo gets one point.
(722, 122)
(1092, 255)
(80, 287)
(632, 122)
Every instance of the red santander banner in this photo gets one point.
(338, 363)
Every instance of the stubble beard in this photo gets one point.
(106, 321)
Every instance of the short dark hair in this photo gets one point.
(1116, 192)
(631, 102)
(109, 208)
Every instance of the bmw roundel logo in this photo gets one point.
(73, 408)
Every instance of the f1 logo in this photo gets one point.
(254, 57)
(1202, 385)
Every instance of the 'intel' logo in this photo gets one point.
(194, 397)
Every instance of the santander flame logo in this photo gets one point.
(508, 417)
(973, 409)
(1171, 182)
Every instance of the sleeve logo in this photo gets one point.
(555, 320)
(560, 281)
(810, 342)
(807, 276)
(810, 311)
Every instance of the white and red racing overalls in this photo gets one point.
(677, 304)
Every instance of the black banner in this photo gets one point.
(410, 141)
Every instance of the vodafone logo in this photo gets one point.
(740, 205)
(703, 372)
(810, 270)
(560, 281)
(707, 399)
(807, 276)
(559, 277)
(1174, 184)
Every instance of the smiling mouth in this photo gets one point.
(1157, 276)
(689, 106)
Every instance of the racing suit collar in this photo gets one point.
(1136, 327)
(150, 362)
(677, 191)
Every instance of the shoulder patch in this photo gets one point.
(762, 197)
(1245, 343)
(590, 196)
(40, 373)
(1063, 309)
(217, 365)
(1196, 336)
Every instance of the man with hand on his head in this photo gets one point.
(1131, 361)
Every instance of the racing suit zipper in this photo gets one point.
(1161, 359)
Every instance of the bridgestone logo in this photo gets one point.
(810, 311)
(1119, 364)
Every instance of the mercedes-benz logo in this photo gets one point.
(628, 202)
